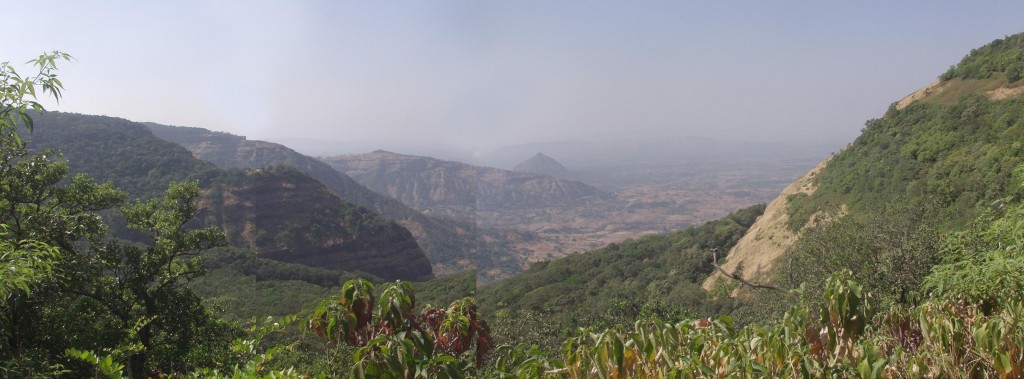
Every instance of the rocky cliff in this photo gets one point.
(456, 189)
(308, 224)
(280, 206)
(451, 245)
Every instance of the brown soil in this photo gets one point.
(769, 238)
(1004, 92)
(933, 88)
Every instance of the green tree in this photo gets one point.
(143, 285)
(890, 251)
(73, 290)
(23, 261)
(19, 93)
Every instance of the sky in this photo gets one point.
(481, 74)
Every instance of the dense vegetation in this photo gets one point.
(67, 286)
(1005, 55)
(922, 170)
(650, 276)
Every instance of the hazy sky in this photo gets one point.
(481, 73)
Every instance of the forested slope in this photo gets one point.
(128, 155)
(451, 245)
(934, 162)
(652, 276)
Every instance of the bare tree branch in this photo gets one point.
(714, 262)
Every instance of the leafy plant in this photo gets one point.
(392, 341)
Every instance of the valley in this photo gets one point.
(562, 217)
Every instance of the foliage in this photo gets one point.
(1005, 55)
(392, 341)
(23, 264)
(446, 289)
(958, 157)
(937, 339)
(889, 250)
(984, 264)
(913, 175)
(18, 93)
(145, 285)
(649, 276)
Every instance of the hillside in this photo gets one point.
(459, 190)
(128, 155)
(652, 275)
(450, 245)
(287, 216)
(945, 154)
(769, 238)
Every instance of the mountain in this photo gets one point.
(935, 161)
(451, 245)
(285, 215)
(459, 190)
(541, 164)
(266, 203)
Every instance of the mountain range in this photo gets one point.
(133, 159)
(459, 190)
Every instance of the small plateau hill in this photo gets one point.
(456, 189)
(541, 164)
(128, 155)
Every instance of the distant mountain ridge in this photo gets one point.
(450, 245)
(457, 189)
(129, 155)
(541, 164)
(307, 224)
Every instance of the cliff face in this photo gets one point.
(286, 216)
(768, 239)
(450, 245)
(294, 217)
(456, 189)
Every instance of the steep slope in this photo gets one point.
(127, 154)
(541, 164)
(950, 148)
(769, 238)
(456, 189)
(117, 150)
(287, 216)
(451, 245)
